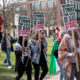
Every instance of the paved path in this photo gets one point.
(52, 77)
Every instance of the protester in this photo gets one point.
(18, 52)
(54, 57)
(39, 58)
(7, 47)
(67, 55)
(54, 36)
(57, 31)
(23, 60)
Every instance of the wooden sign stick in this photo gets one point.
(75, 50)
(23, 46)
(39, 37)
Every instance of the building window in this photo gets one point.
(43, 4)
(66, 1)
(36, 5)
(55, 2)
(32, 5)
(76, 4)
(50, 4)
(79, 6)
(79, 22)
(23, 8)
(17, 9)
(22, 0)
(78, 14)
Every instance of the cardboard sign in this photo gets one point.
(69, 16)
(38, 20)
(24, 25)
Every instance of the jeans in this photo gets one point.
(61, 70)
(7, 59)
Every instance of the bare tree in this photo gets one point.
(7, 13)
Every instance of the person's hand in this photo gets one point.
(44, 49)
(39, 42)
(75, 54)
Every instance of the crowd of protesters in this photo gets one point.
(34, 53)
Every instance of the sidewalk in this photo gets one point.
(52, 77)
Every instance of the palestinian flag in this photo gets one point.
(53, 63)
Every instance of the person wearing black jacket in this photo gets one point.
(23, 60)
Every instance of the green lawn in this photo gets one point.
(9, 74)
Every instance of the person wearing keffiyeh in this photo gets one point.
(67, 55)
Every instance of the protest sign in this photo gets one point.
(69, 16)
(38, 19)
(24, 25)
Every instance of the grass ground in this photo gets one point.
(9, 74)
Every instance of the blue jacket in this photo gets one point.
(36, 51)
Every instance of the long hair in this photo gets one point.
(35, 35)
(20, 40)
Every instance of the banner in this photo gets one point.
(38, 19)
(69, 16)
(24, 25)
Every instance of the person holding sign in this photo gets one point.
(38, 51)
(23, 60)
(67, 55)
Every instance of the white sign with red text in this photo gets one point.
(24, 26)
(69, 16)
(38, 20)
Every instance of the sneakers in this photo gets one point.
(9, 67)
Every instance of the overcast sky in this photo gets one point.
(0, 1)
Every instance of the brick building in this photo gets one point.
(48, 6)
(52, 9)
